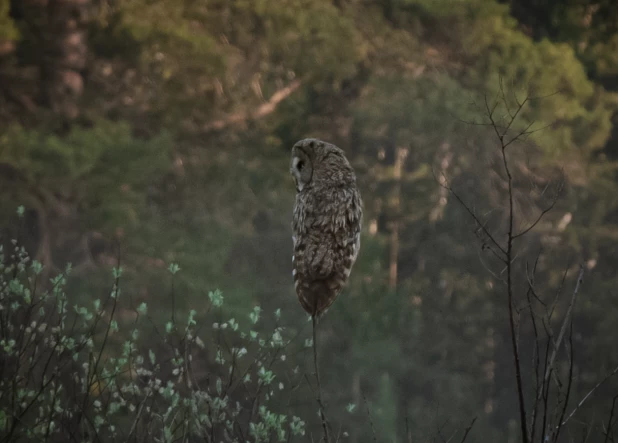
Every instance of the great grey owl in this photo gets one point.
(326, 223)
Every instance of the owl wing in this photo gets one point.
(320, 260)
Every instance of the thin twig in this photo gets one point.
(468, 429)
(476, 219)
(408, 434)
(569, 386)
(583, 400)
(373, 431)
(610, 421)
(317, 378)
(565, 322)
(541, 215)
(536, 358)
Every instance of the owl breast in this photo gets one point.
(326, 243)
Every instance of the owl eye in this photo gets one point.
(300, 165)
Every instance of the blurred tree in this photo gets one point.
(77, 186)
(8, 30)
(167, 125)
(54, 42)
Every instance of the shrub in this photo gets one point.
(90, 372)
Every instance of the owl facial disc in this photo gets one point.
(297, 167)
(301, 168)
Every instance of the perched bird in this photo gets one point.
(326, 223)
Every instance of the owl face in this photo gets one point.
(312, 157)
(301, 165)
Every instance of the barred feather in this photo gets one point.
(327, 223)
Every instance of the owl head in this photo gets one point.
(315, 161)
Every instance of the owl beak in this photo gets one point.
(297, 183)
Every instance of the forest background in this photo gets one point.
(159, 133)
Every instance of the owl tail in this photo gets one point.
(320, 297)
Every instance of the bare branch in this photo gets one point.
(541, 215)
(541, 97)
(565, 322)
(610, 422)
(592, 391)
(517, 111)
(373, 431)
(506, 102)
(468, 429)
(509, 266)
(476, 219)
(262, 110)
(490, 114)
(568, 389)
(536, 358)
(532, 289)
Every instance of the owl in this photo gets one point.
(326, 223)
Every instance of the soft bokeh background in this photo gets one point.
(163, 128)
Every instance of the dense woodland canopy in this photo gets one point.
(159, 132)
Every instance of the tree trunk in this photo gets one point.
(58, 28)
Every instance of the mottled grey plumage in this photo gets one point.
(326, 224)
